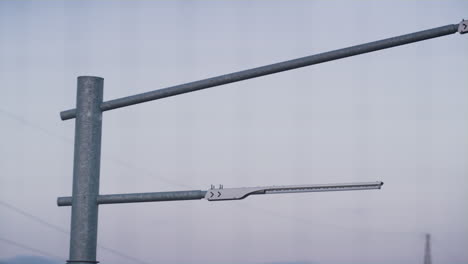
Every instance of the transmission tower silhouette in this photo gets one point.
(427, 250)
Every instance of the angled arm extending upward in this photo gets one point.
(278, 67)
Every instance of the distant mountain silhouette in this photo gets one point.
(290, 262)
(30, 260)
(42, 260)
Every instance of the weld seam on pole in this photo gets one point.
(272, 68)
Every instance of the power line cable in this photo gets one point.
(30, 124)
(66, 232)
(23, 246)
(33, 217)
(114, 159)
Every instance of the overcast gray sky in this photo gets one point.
(398, 115)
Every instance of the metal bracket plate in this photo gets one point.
(222, 194)
(463, 27)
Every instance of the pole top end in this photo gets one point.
(90, 77)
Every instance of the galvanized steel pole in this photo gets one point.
(86, 166)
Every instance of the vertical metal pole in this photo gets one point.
(427, 250)
(86, 166)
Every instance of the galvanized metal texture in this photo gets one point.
(141, 197)
(272, 68)
(86, 166)
(223, 194)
